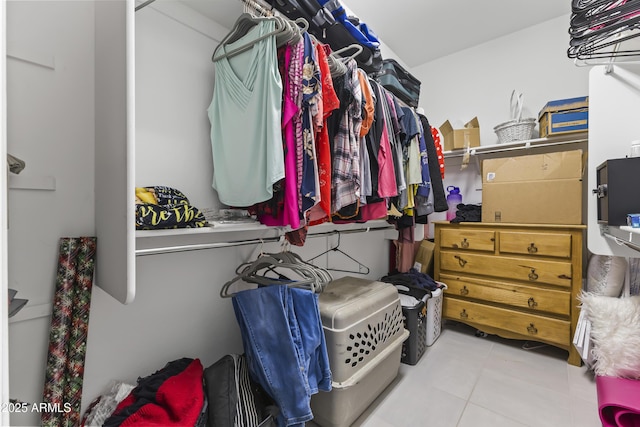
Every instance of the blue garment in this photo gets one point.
(362, 33)
(285, 347)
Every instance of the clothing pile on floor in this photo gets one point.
(183, 394)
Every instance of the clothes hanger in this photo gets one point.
(243, 26)
(355, 46)
(311, 277)
(362, 269)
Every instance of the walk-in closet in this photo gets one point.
(156, 206)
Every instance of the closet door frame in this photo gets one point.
(4, 276)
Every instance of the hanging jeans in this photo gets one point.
(285, 347)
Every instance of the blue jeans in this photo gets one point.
(285, 347)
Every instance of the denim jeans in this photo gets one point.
(285, 347)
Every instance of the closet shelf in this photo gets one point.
(154, 242)
(627, 236)
(573, 138)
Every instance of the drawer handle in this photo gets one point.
(532, 329)
(533, 275)
(463, 314)
(461, 261)
(532, 249)
(464, 244)
(464, 291)
(532, 303)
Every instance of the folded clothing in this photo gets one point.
(165, 207)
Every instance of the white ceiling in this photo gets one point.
(419, 31)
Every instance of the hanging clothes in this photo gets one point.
(247, 160)
(437, 187)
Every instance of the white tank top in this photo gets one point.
(245, 115)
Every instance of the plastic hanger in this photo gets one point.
(362, 269)
(358, 48)
(242, 26)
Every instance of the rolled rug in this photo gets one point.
(618, 401)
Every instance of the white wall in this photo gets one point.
(479, 81)
(50, 126)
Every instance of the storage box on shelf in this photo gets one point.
(468, 136)
(362, 322)
(534, 189)
(564, 116)
(513, 280)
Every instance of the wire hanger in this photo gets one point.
(362, 269)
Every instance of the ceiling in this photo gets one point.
(419, 31)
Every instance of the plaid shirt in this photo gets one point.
(346, 146)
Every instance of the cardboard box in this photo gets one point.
(424, 257)
(534, 189)
(455, 139)
(564, 116)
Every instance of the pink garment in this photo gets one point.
(386, 173)
(618, 401)
(371, 211)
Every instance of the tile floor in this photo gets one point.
(468, 381)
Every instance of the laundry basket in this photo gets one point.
(517, 129)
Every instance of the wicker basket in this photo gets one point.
(517, 129)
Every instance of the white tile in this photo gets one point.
(545, 367)
(585, 413)
(430, 407)
(530, 404)
(476, 416)
(582, 383)
(447, 372)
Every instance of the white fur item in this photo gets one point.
(615, 331)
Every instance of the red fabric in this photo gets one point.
(178, 401)
(435, 133)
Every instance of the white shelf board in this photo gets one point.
(571, 138)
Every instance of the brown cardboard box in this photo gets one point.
(455, 139)
(534, 189)
(424, 257)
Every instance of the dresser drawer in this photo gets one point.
(540, 244)
(520, 296)
(477, 240)
(532, 326)
(532, 270)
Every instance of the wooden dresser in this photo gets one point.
(517, 281)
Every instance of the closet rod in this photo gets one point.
(146, 3)
(202, 246)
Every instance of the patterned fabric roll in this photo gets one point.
(68, 332)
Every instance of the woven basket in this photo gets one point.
(517, 129)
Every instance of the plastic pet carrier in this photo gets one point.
(400, 82)
(364, 331)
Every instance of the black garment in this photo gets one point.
(468, 213)
(373, 144)
(412, 279)
(439, 197)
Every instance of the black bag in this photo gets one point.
(400, 82)
(233, 398)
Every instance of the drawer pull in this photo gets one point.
(532, 249)
(463, 314)
(461, 261)
(533, 275)
(532, 329)
(464, 244)
(464, 291)
(532, 303)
